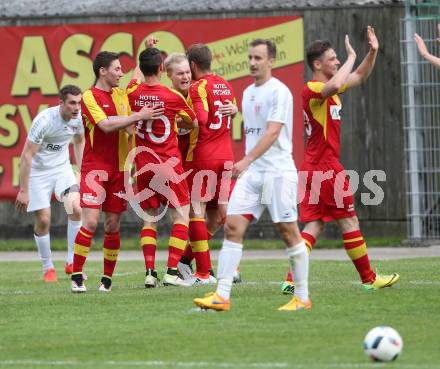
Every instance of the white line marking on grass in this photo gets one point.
(425, 282)
(6, 293)
(126, 273)
(158, 363)
(204, 364)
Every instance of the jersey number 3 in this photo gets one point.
(219, 115)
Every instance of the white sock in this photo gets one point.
(228, 261)
(73, 227)
(43, 245)
(299, 264)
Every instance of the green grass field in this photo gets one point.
(46, 326)
(28, 244)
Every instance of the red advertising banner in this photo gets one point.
(38, 61)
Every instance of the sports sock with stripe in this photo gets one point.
(149, 244)
(81, 249)
(111, 246)
(176, 244)
(198, 236)
(356, 249)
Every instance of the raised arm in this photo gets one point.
(137, 74)
(365, 68)
(340, 78)
(435, 61)
(29, 150)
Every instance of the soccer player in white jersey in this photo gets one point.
(45, 169)
(267, 178)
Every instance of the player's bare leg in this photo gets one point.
(356, 249)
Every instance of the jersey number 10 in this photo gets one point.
(149, 129)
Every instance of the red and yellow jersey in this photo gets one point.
(183, 134)
(160, 135)
(212, 139)
(105, 151)
(322, 119)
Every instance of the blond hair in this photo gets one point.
(173, 58)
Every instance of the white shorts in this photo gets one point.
(44, 183)
(254, 191)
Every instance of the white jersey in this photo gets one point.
(269, 102)
(54, 135)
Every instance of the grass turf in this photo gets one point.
(46, 326)
(28, 244)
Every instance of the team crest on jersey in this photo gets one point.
(122, 109)
(335, 112)
(257, 108)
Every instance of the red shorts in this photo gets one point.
(326, 190)
(99, 190)
(162, 184)
(210, 182)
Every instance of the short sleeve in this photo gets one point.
(38, 129)
(91, 109)
(280, 99)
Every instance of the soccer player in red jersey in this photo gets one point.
(106, 113)
(178, 71)
(326, 179)
(434, 60)
(210, 155)
(160, 173)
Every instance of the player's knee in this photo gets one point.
(231, 230)
(286, 236)
(349, 224)
(90, 224)
(111, 225)
(289, 233)
(42, 225)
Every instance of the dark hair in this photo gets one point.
(69, 89)
(271, 47)
(200, 55)
(149, 61)
(315, 50)
(103, 60)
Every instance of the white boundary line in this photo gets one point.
(205, 364)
